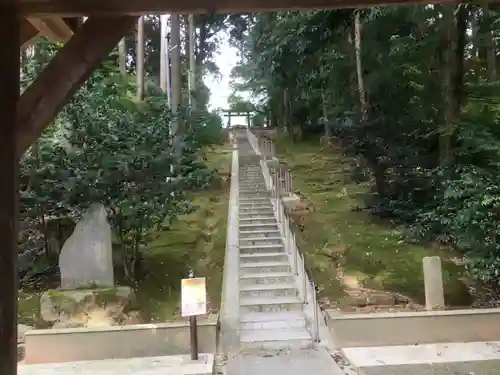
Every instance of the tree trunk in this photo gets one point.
(475, 46)
(491, 71)
(140, 59)
(122, 53)
(448, 69)
(359, 66)
(176, 85)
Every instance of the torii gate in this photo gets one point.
(23, 118)
(230, 113)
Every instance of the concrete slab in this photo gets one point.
(170, 365)
(479, 358)
(299, 362)
(100, 343)
(408, 328)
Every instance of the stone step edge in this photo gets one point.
(274, 335)
(263, 246)
(266, 287)
(265, 264)
(261, 239)
(263, 275)
(266, 255)
(256, 317)
(260, 231)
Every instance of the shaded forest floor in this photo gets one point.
(347, 248)
(195, 241)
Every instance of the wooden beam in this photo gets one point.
(27, 33)
(10, 24)
(54, 28)
(70, 8)
(66, 72)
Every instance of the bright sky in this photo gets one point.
(226, 59)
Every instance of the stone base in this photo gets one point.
(85, 307)
(171, 365)
(273, 163)
(291, 202)
(481, 358)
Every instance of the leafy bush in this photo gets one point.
(106, 148)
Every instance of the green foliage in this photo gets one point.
(106, 148)
(305, 65)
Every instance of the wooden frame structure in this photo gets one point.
(137, 7)
(23, 118)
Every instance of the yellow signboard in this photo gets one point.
(193, 296)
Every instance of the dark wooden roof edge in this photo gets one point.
(73, 8)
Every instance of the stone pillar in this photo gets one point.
(9, 95)
(433, 280)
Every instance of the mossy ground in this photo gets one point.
(195, 241)
(373, 251)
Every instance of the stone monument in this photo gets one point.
(86, 258)
(87, 295)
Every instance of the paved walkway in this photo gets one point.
(301, 362)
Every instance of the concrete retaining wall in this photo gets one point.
(380, 329)
(142, 340)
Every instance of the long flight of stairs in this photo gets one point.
(271, 309)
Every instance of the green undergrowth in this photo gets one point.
(338, 234)
(195, 241)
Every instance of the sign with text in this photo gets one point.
(193, 297)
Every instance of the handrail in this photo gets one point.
(280, 185)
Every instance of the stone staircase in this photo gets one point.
(271, 310)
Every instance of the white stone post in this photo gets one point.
(433, 280)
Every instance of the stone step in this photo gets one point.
(258, 220)
(253, 249)
(259, 233)
(258, 227)
(253, 207)
(268, 211)
(279, 320)
(266, 278)
(261, 241)
(456, 358)
(259, 200)
(264, 267)
(253, 190)
(270, 304)
(264, 257)
(254, 186)
(268, 290)
(252, 182)
(253, 202)
(275, 339)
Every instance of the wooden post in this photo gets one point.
(140, 59)
(9, 94)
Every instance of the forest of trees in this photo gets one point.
(112, 144)
(411, 93)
